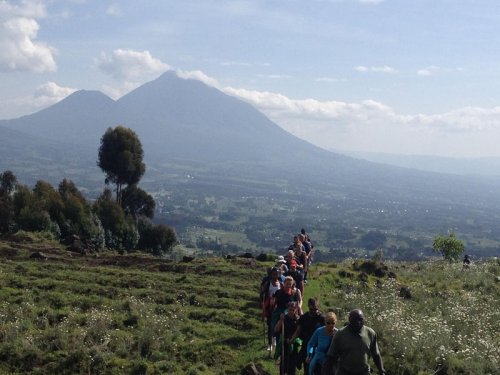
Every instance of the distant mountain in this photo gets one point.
(80, 119)
(463, 166)
(181, 120)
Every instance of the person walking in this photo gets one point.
(286, 326)
(308, 323)
(351, 348)
(319, 344)
(269, 289)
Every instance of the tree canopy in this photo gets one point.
(450, 247)
(121, 157)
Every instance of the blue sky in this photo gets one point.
(413, 77)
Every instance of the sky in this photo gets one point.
(394, 76)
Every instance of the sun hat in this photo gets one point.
(280, 259)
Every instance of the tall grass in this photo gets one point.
(450, 325)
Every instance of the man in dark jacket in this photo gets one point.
(308, 323)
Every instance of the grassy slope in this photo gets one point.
(135, 314)
(124, 314)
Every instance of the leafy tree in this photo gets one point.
(8, 184)
(158, 239)
(450, 247)
(22, 197)
(33, 220)
(136, 202)
(121, 158)
(50, 200)
(29, 208)
(6, 215)
(120, 233)
(77, 217)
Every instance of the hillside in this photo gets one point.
(110, 314)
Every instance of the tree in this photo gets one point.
(136, 202)
(120, 232)
(121, 158)
(450, 247)
(158, 239)
(8, 184)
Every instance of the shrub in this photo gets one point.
(450, 247)
(157, 239)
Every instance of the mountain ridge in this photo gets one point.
(184, 119)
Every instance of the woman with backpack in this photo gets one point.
(288, 293)
(270, 287)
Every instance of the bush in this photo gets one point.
(33, 220)
(450, 247)
(157, 239)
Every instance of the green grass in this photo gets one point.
(86, 315)
(135, 314)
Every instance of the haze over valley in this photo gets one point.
(229, 179)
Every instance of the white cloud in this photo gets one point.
(200, 76)
(430, 70)
(326, 79)
(467, 119)
(130, 65)
(375, 69)
(53, 90)
(18, 33)
(373, 126)
(114, 10)
(45, 95)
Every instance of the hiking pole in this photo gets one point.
(265, 336)
(282, 372)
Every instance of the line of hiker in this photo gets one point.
(310, 340)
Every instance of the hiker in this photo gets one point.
(266, 279)
(319, 344)
(288, 348)
(308, 323)
(303, 232)
(301, 257)
(280, 263)
(288, 293)
(466, 264)
(296, 275)
(294, 244)
(308, 248)
(290, 255)
(351, 348)
(270, 288)
(263, 282)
